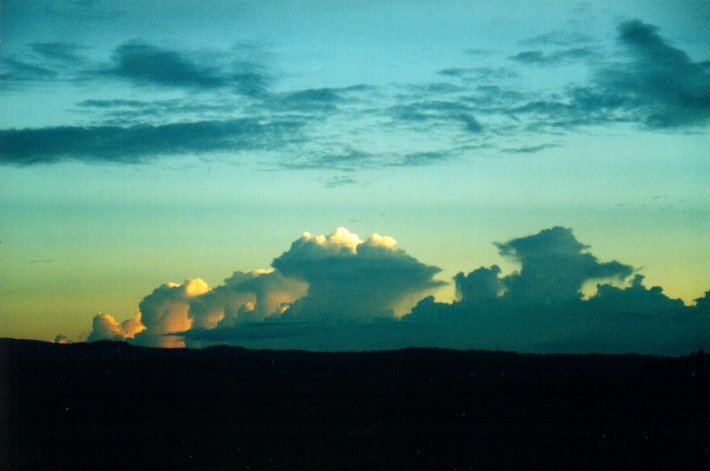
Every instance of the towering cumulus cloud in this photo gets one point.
(166, 310)
(352, 279)
(554, 267)
(338, 292)
(245, 298)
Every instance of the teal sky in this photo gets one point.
(146, 142)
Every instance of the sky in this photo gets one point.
(351, 175)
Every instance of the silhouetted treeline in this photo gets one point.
(112, 405)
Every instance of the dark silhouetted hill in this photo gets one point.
(111, 405)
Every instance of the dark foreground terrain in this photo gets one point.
(110, 405)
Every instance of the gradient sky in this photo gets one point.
(144, 142)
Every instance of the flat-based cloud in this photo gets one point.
(351, 279)
(338, 292)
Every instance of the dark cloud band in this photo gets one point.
(136, 144)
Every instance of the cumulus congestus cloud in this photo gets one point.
(554, 267)
(338, 292)
(352, 279)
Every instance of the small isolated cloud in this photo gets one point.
(62, 339)
(339, 180)
(105, 327)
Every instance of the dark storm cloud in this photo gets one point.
(140, 143)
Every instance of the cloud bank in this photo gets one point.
(338, 292)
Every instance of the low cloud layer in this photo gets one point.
(338, 292)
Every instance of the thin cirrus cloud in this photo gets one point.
(339, 292)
